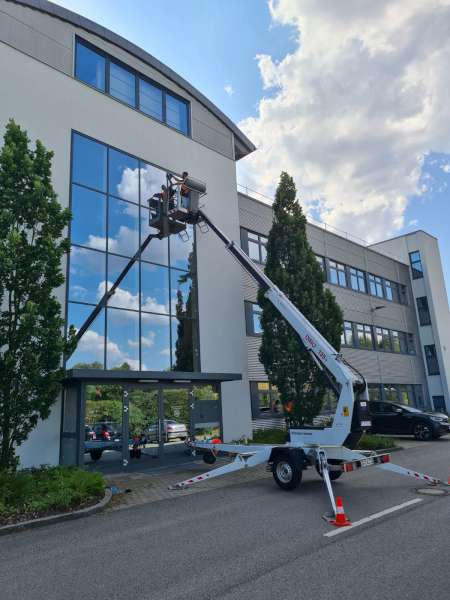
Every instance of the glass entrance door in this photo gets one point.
(175, 422)
(143, 423)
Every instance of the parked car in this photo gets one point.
(89, 433)
(108, 431)
(172, 430)
(397, 419)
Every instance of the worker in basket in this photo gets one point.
(180, 182)
(157, 200)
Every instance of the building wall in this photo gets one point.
(431, 285)
(377, 367)
(49, 104)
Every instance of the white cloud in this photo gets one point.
(229, 89)
(446, 168)
(413, 222)
(354, 109)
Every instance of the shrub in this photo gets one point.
(47, 489)
(375, 442)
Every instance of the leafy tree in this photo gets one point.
(292, 266)
(31, 327)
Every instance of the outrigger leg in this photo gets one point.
(242, 461)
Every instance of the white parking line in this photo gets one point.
(377, 515)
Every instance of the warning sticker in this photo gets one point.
(345, 411)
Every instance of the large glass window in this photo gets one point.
(96, 68)
(357, 280)
(90, 67)
(423, 311)
(396, 345)
(255, 245)
(177, 113)
(253, 314)
(391, 290)
(376, 286)
(432, 359)
(337, 273)
(265, 399)
(150, 320)
(364, 333)
(151, 99)
(89, 160)
(347, 334)
(122, 84)
(88, 227)
(416, 265)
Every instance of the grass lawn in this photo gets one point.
(34, 493)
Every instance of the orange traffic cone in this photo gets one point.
(340, 520)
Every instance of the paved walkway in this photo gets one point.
(145, 487)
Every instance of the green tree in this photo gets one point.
(31, 327)
(292, 266)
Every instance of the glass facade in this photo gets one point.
(150, 322)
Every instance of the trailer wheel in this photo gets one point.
(286, 473)
(209, 458)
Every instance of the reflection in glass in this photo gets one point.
(151, 181)
(88, 226)
(86, 275)
(90, 67)
(123, 227)
(155, 342)
(181, 290)
(90, 352)
(182, 345)
(103, 429)
(89, 163)
(123, 176)
(176, 113)
(150, 99)
(122, 84)
(158, 250)
(154, 288)
(181, 252)
(127, 294)
(122, 350)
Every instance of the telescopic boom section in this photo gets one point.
(321, 350)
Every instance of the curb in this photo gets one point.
(76, 514)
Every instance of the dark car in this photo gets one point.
(399, 419)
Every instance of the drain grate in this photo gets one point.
(432, 491)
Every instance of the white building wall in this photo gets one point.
(431, 285)
(49, 105)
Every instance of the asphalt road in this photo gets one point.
(251, 541)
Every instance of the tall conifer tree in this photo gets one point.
(292, 266)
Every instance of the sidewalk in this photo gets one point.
(147, 487)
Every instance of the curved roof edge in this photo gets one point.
(55, 10)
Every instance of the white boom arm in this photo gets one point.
(321, 350)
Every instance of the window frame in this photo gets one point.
(378, 284)
(137, 76)
(359, 276)
(338, 271)
(250, 318)
(245, 243)
(416, 273)
(423, 311)
(431, 361)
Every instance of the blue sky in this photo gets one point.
(215, 44)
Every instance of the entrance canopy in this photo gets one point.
(116, 416)
(74, 376)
